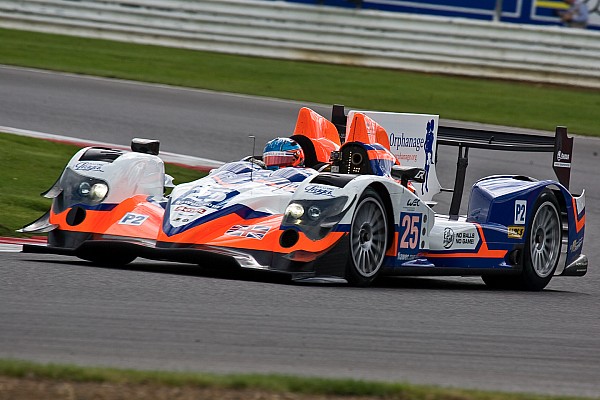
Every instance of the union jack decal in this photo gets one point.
(249, 231)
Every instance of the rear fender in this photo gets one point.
(508, 201)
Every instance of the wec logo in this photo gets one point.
(413, 203)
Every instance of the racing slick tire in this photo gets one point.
(543, 243)
(542, 248)
(368, 240)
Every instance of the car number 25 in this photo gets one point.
(410, 231)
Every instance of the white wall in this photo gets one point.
(318, 33)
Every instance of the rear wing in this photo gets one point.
(464, 138)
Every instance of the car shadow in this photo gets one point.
(227, 272)
(182, 269)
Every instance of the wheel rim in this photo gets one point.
(368, 236)
(544, 240)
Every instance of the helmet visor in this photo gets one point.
(280, 159)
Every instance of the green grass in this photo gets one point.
(269, 383)
(30, 166)
(492, 101)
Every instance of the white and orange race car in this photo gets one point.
(359, 208)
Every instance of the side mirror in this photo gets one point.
(406, 174)
(169, 181)
(146, 146)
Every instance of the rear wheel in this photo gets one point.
(542, 248)
(543, 243)
(368, 240)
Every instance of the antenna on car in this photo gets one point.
(253, 150)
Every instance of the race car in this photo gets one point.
(360, 206)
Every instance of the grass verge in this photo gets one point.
(30, 166)
(491, 101)
(270, 386)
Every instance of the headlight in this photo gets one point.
(98, 192)
(314, 212)
(315, 218)
(294, 210)
(78, 189)
(95, 192)
(84, 189)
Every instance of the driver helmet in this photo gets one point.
(283, 152)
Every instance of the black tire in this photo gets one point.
(541, 252)
(543, 243)
(368, 240)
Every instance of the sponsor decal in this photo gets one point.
(404, 140)
(562, 164)
(207, 197)
(190, 210)
(448, 239)
(467, 238)
(576, 245)
(413, 202)
(248, 231)
(133, 219)
(188, 202)
(516, 232)
(560, 156)
(406, 257)
(88, 166)
(318, 190)
(520, 212)
(429, 157)
(460, 238)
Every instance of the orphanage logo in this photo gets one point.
(428, 147)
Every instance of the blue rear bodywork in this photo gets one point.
(494, 200)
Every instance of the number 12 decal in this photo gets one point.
(410, 231)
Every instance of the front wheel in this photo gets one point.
(368, 240)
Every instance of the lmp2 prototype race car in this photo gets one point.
(347, 200)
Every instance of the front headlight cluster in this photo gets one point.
(79, 189)
(96, 192)
(315, 217)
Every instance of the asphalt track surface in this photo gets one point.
(451, 332)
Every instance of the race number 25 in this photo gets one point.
(410, 228)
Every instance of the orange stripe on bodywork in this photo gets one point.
(392, 250)
(381, 155)
(213, 233)
(107, 222)
(579, 223)
(483, 252)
